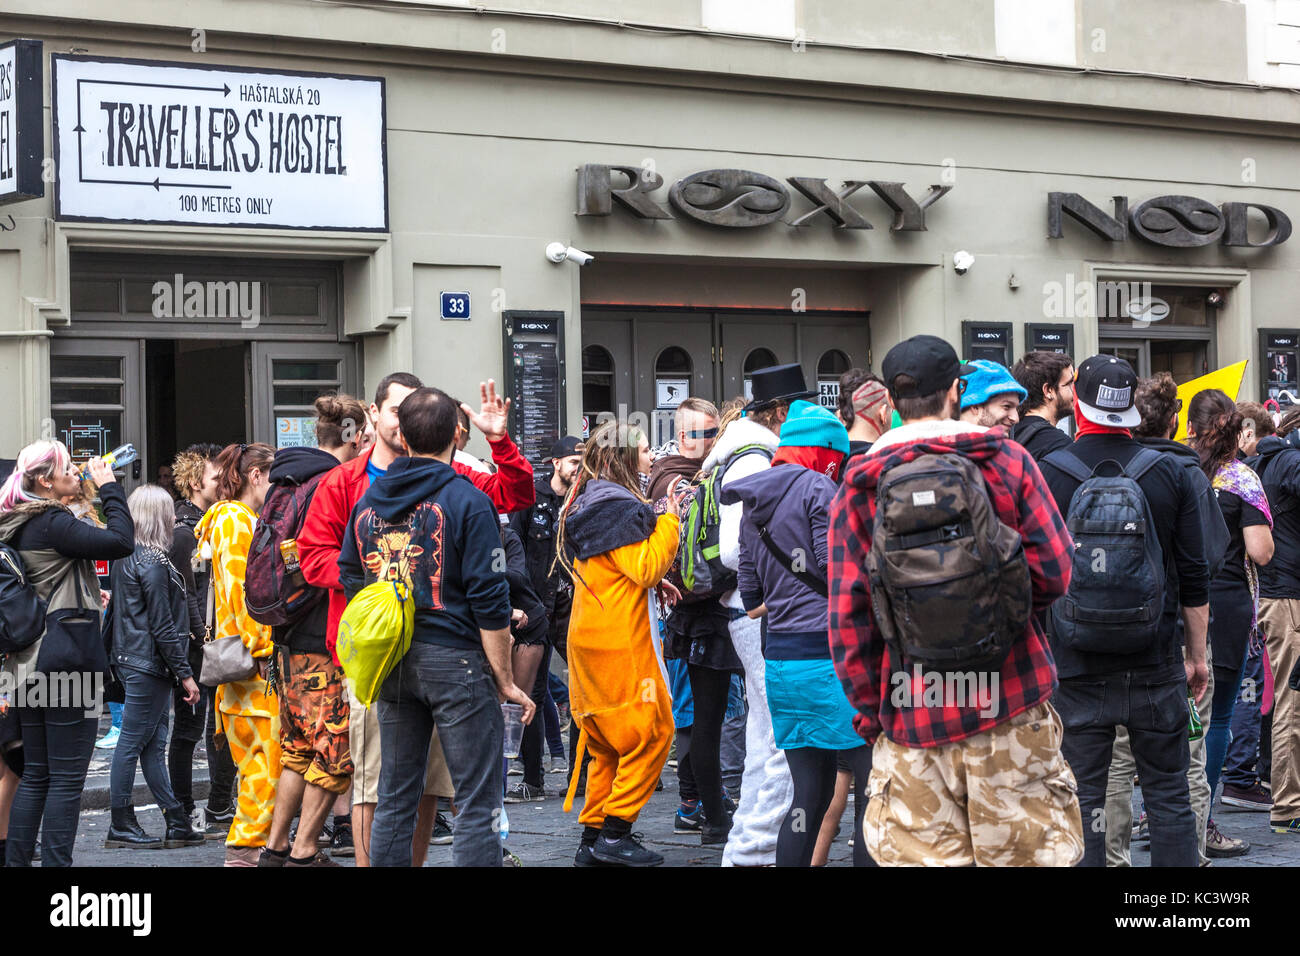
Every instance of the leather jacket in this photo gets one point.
(150, 619)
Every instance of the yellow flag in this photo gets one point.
(1228, 379)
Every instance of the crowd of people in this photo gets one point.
(978, 600)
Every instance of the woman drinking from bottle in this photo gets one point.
(58, 555)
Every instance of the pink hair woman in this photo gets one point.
(58, 553)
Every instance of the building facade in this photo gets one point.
(246, 202)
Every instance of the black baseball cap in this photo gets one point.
(1106, 389)
(566, 447)
(928, 360)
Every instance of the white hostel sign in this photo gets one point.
(150, 142)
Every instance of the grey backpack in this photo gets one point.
(1117, 578)
(949, 581)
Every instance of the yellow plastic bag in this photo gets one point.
(374, 634)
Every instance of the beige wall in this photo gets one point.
(482, 156)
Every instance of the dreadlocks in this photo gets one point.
(612, 453)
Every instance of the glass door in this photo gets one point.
(96, 399)
(288, 378)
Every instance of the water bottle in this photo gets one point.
(119, 457)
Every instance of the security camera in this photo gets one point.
(558, 252)
(962, 261)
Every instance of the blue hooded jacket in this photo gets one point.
(423, 521)
(793, 502)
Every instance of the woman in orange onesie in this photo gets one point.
(617, 551)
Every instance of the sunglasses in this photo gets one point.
(703, 433)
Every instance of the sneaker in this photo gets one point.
(266, 858)
(688, 819)
(1141, 832)
(1254, 797)
(341, 844)
(557, 765)
(441, 830)
(226, 816)
(1285, 826)
(584, 857)
(320, 859)
(109, 740)
(509, 859)
(715, 836)
(525, 793)
(325, 838)
(215, 826)
(626, 851)
(515, 770)
(1219, 844)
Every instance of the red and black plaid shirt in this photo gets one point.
(866, 665)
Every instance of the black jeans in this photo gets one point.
(1153, 706)
(452, 689)
(143, 740)
(195, 723)
(813, 773)
(57, 745)
(709, 689)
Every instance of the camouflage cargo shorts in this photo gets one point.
(314, 721)
(1005, 797)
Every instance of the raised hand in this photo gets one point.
(493, 415)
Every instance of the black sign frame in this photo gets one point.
(29, 120)
(969, 331)
(1032, 330)
(547, 329)
(1272, 343)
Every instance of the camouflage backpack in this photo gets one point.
(949, 581)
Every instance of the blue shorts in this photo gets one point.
(808, 706)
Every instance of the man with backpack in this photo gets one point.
(510, 488)
(943, 543)
(1278, 466)
(316, 766)
(1139, 556)
(421, 526)
(1158, 403)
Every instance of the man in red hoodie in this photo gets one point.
(967, 765)
(321, 540)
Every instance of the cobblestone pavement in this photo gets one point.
(541, 834)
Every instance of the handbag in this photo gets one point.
(74, 637)
(225, 660)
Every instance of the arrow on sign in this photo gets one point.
(224, 89)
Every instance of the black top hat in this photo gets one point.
(779, 383)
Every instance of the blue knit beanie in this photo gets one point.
(811, 426)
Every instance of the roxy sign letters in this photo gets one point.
(739, 198)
